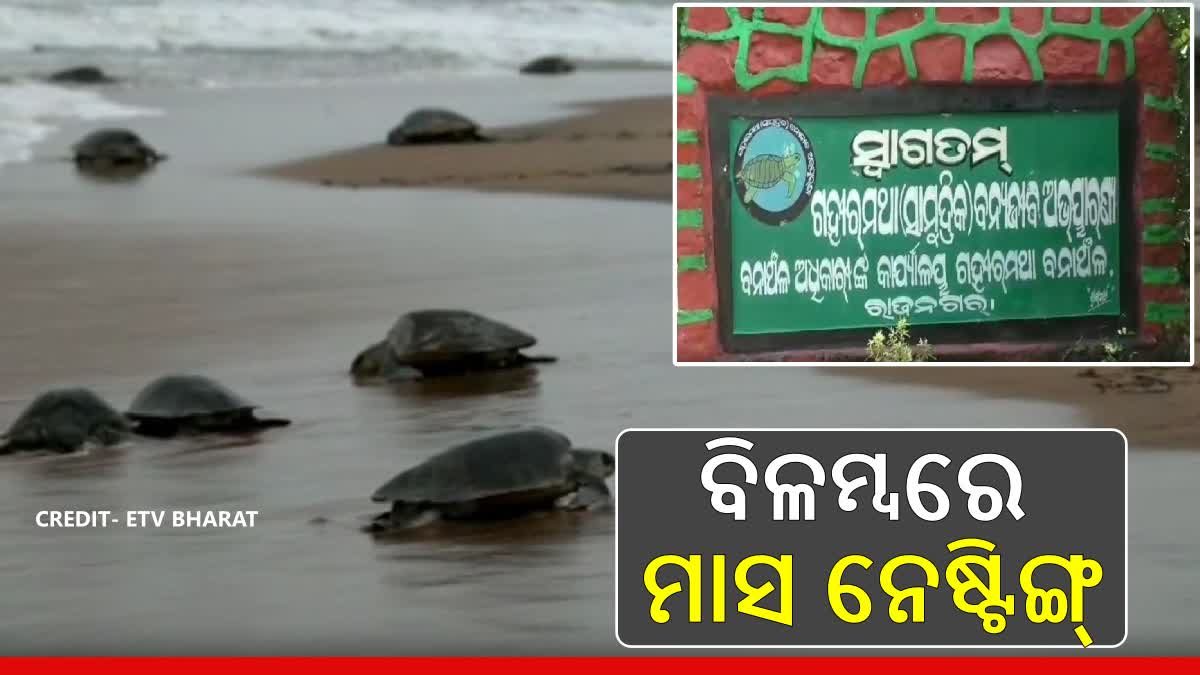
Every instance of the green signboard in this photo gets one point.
(850, 222)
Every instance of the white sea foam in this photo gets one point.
(221, 43)
(30, 111)
(482, 31)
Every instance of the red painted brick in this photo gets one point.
(845, 22)
(707, 19)
(1157, 126)
(697, 342)
(691, 113)
(1156, 179)
(691, 242)
(746, 12)
(968, 14)
(898, 19)
(1119, 16)
(792, 16)
(832, 67)
(1162, 256)
(1155, 60)
(1028, 19)
(710, 63)
(940, 59)
(691, 191)
(689, 195)
(1155, 218)
(886, 67)
(689, 153)
(1073, 14)
(1065, 58)
(999, 59)
(1165, 294)
(768, 51)
(697, 290)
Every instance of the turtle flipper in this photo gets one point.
(156, 428)
(750, 193)
(790, 179)
(401, 517)
(395, 374)
(538, 358)
(592, 493)
(272, 422)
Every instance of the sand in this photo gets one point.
(614, 149)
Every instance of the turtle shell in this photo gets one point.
(59, 411)
(548, 65)
(527, 460)
(182, 396)
(763, 171)
(431, 124)
(106, 142)
(433, 335)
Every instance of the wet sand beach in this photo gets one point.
(273, 285)
(617, 149)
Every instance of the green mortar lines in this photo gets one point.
(1161, 276)
(688, 317)
(689, 219)
(1159, 152)
(1160, 104)
(743, 29)
(685, 84)
(1158, 312)
(692, 263)
(687, 136)
(689, 171)
(1158, 235)
(1153, 206)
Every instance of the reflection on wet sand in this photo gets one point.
(518, 382)
(112, 174)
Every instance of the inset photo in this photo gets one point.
(991, 185)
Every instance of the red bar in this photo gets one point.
(607, 666)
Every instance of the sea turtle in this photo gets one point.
(196, 404)
(499, 476)
(114, 147)
(435, 125)
(81, 75)
(434, 342)
(766, 171)
(64, 420)
(548, 65)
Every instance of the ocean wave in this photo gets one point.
(478, 31)
(223, 43)
(31, 111)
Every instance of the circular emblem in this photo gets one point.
(774, 171)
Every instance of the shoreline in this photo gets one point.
(615, 149)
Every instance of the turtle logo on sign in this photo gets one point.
(774, 171)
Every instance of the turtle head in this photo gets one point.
(370, 361)
(595, 463)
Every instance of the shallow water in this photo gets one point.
(274, 288)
